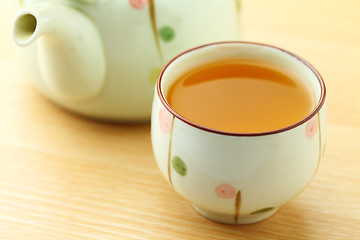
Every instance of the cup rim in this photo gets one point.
(187, 121)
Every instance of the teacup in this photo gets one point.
(237, 178)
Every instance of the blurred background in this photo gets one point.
(324, 32)
(7, 11)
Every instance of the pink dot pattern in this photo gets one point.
(138, 4)
(312, 127)
(165, 120)
(225, 191)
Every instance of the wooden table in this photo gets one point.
(65, 177)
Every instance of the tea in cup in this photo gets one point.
(238, 128)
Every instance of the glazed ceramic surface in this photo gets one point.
(232, 177)
(101, 58)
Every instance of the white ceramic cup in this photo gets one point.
(237, 178)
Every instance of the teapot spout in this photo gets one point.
(70, 52)
(24, 30)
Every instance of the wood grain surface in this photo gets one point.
(66, 177)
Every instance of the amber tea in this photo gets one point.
(241, 97)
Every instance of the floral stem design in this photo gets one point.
(154, 26)
(237, 206)
(262, 210)
(238, 5)
(238, 10)
(320, 152)
(169, 152)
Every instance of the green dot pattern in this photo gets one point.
(167, 33)
(179, 166)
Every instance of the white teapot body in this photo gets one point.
(101, 58)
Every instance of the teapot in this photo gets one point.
(101, 58)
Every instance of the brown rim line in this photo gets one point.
(178, 116)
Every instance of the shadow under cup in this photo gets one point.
(237, 178)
